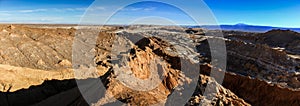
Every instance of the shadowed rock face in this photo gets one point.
(36, 94)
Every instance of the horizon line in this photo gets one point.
(78, 24)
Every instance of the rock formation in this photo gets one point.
(53, 65)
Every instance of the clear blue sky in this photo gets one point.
(281, 13)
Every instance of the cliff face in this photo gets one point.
(261, 61)
(257, 91)
(257, 72)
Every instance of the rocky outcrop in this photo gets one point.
(35, 48)
(281, 38)
(284, 39)
(139, 58)
(257, 72)
(196, 31)
(256, 91)
(223, 96)
(258, 61)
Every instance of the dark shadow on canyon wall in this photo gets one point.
(50, 93)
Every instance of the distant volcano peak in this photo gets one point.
(241, 24)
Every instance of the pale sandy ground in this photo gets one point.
(22, 78)
(294, 56)
(16, 78)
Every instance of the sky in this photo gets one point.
(278, 13)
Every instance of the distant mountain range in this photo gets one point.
(244, 27)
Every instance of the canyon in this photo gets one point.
(89, 65)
